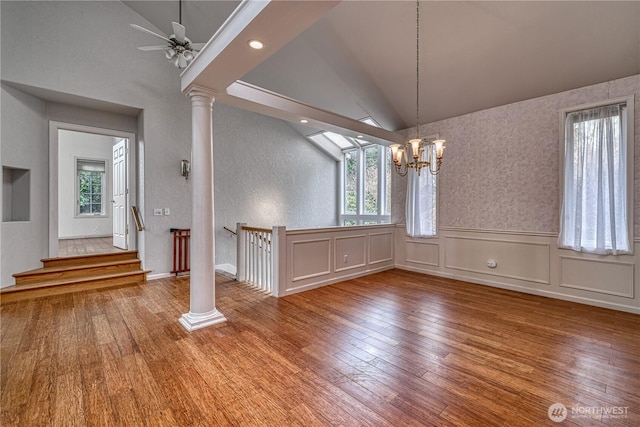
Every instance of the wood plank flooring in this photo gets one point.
(391, 349)
(92, 245)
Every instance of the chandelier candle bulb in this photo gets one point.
(394, 151)
(416, 145)
(439, 144)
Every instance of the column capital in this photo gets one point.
(195, 91)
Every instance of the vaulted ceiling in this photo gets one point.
(359, 59)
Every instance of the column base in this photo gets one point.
(193, 321)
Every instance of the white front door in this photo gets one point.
(119, 201)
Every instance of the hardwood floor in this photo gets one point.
(93, 245)
(391, 349)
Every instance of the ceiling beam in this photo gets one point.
(253, 98)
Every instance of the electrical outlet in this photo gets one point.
(157, 212)
(167, 211)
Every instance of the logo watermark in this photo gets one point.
(557, 412)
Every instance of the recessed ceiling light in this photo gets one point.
(304, 121)
(256, 44)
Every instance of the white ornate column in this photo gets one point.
(202, 304)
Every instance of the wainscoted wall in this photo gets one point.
(501, 173)
(501, 165)
(319, 257)
(525, 262)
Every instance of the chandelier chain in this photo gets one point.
(417, 68)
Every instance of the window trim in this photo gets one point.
(629, 102)
(105, 185)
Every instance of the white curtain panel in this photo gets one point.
(421, 204)
(594, 210)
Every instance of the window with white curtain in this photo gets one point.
(597, 178)
(422, 200)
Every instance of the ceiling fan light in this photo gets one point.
(169, 53)
(182, 61)
(188, 55)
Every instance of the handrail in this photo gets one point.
(259, 230)
(230, 231)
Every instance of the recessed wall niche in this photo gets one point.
(16, 194)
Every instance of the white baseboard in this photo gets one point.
(516, 288)
(227, 269)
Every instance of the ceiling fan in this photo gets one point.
(180, 51)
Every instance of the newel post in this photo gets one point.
(241, 255)
(279, 260)
(202, 298)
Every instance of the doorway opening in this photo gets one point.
(91, 190)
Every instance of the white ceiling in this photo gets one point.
(359, 59)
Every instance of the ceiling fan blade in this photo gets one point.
(144, 30)
(148, 48)
(197, 46)
(179, 31)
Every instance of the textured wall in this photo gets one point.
(266, 174)
(501, 166)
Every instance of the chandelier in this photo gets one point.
(418, 153)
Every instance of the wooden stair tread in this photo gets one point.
(90, 256)
(76, 274)
(70, 281)
(48, 270)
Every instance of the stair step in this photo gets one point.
(76, 284)
(61, 272)
(89, 259)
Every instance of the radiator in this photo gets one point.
(181, 239)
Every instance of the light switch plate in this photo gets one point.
(167, 211)
(157, 212)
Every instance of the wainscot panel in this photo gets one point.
(380, 247)
(605, 277)
(310, 258)
(525, 262)
(513, 259)
(322, 256)
(350, 252)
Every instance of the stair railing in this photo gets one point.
(257, 257)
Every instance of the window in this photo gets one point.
(597, 178)
(366, 173)
(90, 187)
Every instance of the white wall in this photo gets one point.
(24, 146)
(78, 145)
(68, 48)
(500, 199)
